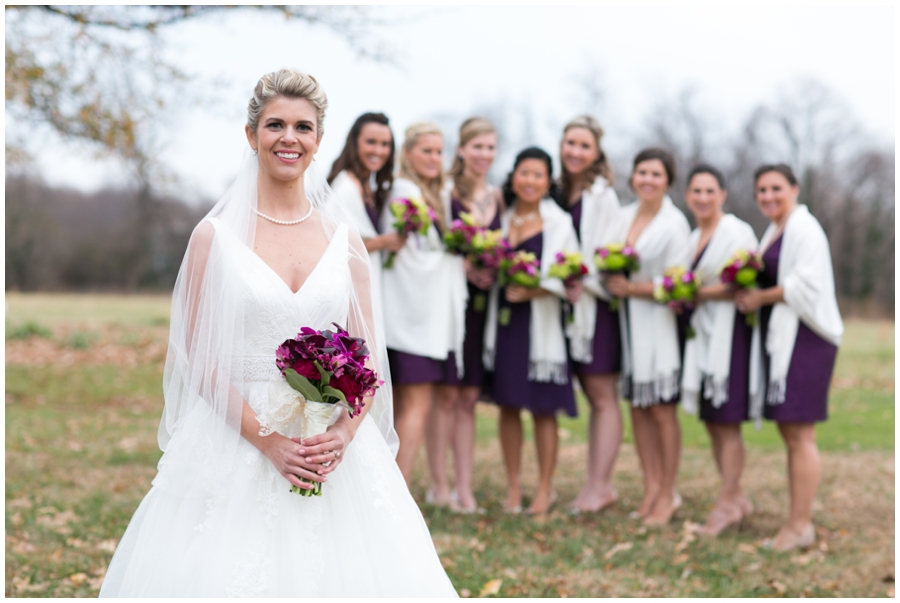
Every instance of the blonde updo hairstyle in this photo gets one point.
(600, 167)
(431, 189)
(288, 83)
(463, 186)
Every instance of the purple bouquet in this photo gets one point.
(326, 368)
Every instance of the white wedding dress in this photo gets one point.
(363, 537)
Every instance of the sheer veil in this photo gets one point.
(206, 361)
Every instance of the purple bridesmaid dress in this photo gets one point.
(511, 386)
(476, 316)
(607, 344)
(736, 408)
(812, 363)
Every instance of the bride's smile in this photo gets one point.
(286, 139)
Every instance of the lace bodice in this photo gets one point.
(275, 313)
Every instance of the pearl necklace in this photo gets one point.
(286, 222)
(518, 220)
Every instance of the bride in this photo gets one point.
(271, 257)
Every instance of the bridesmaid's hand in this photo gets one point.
(574, 289)
(518, 293)
(393, 241)
(326, 449)
(284, 454)
(617, 285)
(483, 278)
(748, 300)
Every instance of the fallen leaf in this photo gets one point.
(108, 546)
(587, 552)
(754, 567)
(747, 548)
(56, 555)
(681, 559)
(128, 444)
(778, 586)
(78, 579)
(510, 573)
(16, 519)
(823, 546)
(539, 537)
(801, 559)
(618, 548)
(477, 545)
(687, 572)
(491, 587)
(889, 579)
(465, 593)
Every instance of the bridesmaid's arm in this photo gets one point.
(717, 292)
(619, 286)
(751, 300)
(391, 241)
(518, 293)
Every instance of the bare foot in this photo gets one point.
(594, 501)
(646, 505)
(513, 502)
(746, 505)
(722, 516)
(542, 503)
(435, 497)
(663, 510)
(789, 538)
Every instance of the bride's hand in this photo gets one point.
(287, 457)
(325, 448)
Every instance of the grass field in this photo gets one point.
(83, 400)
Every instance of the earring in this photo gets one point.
(255, 152)
(314, 157)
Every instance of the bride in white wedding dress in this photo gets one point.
(271, 257)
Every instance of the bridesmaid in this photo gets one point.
(586, 183)
(424, 296)
(368, 152)
(527, 349)
(451, 421)
(801, 330)
(659, 233)
(717, 360)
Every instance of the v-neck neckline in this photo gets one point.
(308, 277)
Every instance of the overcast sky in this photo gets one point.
(456, 60)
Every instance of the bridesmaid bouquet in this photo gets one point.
(324, 368)
(741, 272)
(616, 258)
(568, 268)
(678, 289)
(484, 248)
(520, 268)
(410, 216)
(459, 238)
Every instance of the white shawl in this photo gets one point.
(805, 273)
(600, 215)
(547, 359)
(347, 195)
(707, 357)
(424, 292)
(649, 331)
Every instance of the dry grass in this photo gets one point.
(82, 408)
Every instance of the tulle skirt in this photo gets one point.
(364, 537)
